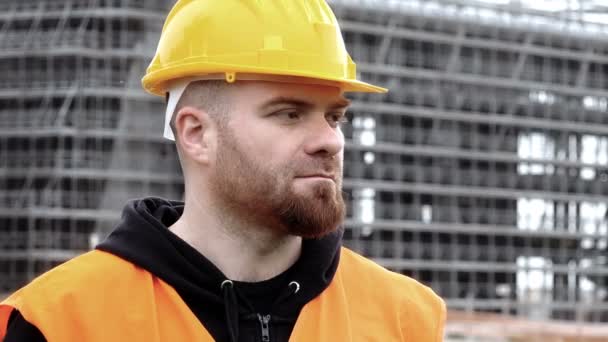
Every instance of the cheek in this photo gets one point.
(272, 145)
(274, 149)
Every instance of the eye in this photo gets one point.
(336, 119)
(293, 115)
(289, 115)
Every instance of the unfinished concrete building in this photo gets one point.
(78, 136)
(483, 173)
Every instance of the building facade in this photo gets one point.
(483, 172)
(78, 136)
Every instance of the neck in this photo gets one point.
(241, 250)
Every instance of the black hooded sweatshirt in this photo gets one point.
(231, 311)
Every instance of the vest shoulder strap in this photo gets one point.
(418, 312)
(101, 297)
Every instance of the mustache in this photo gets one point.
(331, 166)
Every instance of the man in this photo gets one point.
(255, 102)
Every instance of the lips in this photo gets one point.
(328, 169)
(319, 175)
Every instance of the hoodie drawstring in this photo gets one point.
(231, 308)
(293, 288)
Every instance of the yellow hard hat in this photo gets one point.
(299, 39)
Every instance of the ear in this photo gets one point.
(196, 134)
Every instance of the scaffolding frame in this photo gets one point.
(477, 172)
(78, 137)
(482, 173)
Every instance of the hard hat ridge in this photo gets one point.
(298, 38)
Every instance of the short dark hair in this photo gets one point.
(208, 95)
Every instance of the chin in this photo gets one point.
(313, 218)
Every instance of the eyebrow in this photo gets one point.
(302, 103)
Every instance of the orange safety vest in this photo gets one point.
(101, 297)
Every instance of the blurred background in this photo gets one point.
(483, 173)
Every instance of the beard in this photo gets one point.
(265, 195)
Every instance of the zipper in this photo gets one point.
(264, 325)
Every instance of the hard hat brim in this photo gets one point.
(153, 83)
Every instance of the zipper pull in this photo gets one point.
(264, 324)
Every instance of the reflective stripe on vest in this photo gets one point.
(101, 297)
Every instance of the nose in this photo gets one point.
(323, 139)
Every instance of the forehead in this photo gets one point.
(256, 93)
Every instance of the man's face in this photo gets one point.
(279, 157)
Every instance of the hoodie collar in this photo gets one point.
(143, 238)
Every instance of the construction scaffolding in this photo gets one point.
(483, 173)
(78, 136)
